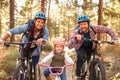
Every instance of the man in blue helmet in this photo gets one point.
(85, 30)
(37, 32)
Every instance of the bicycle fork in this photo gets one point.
(92, 68)
(24, 69)
(86, 68)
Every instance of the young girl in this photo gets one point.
(58, 56)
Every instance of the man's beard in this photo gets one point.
(86, 30)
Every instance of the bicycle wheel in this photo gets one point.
(38, 75)
(97, 71)
(74, 74)
(100, 71)
(84, 70)
(20, 73)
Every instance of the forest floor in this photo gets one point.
(112, 65)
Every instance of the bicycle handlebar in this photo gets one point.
(98, 41)
(56, 67)
(7, 44)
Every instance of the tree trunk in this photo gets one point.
(30, 9)
(99, 17)
(84, 6)
(0, 18)
(43, 6)
(12, 38)
(47, 21)
(48, 11)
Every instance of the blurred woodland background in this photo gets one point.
(61, 20)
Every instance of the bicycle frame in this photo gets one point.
(96, 59)
(96, 56)
(57, 74)
(24, 62)
(85, 68)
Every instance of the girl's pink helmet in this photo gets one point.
(60, 41)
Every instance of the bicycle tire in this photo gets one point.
(38, 75)
(84, 70)
(74, 73)
(99, 70)
(19, 73)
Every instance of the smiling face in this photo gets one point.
(39, 23)
(59, 48)
(84, 27)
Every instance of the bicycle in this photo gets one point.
(94, 65)
(24, 69)
(56, 74)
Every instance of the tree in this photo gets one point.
(3, 15)
(43, 5)
(0, 17)
(111, 15)
(12, 17)
(49, 3)
(26, 11)
(99, 17)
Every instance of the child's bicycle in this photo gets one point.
(56, 74)
(93, 69)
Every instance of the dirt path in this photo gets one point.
(112, 63)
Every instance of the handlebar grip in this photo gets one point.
(111, 43)
(6, 44)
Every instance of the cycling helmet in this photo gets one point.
(83, 18)
(59, 41)
(40, 15)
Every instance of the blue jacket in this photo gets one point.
(22, 29)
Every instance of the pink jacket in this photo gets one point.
(73, 43)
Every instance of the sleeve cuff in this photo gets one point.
(9, 33)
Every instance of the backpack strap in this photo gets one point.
(30, 24)
(93, 29)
